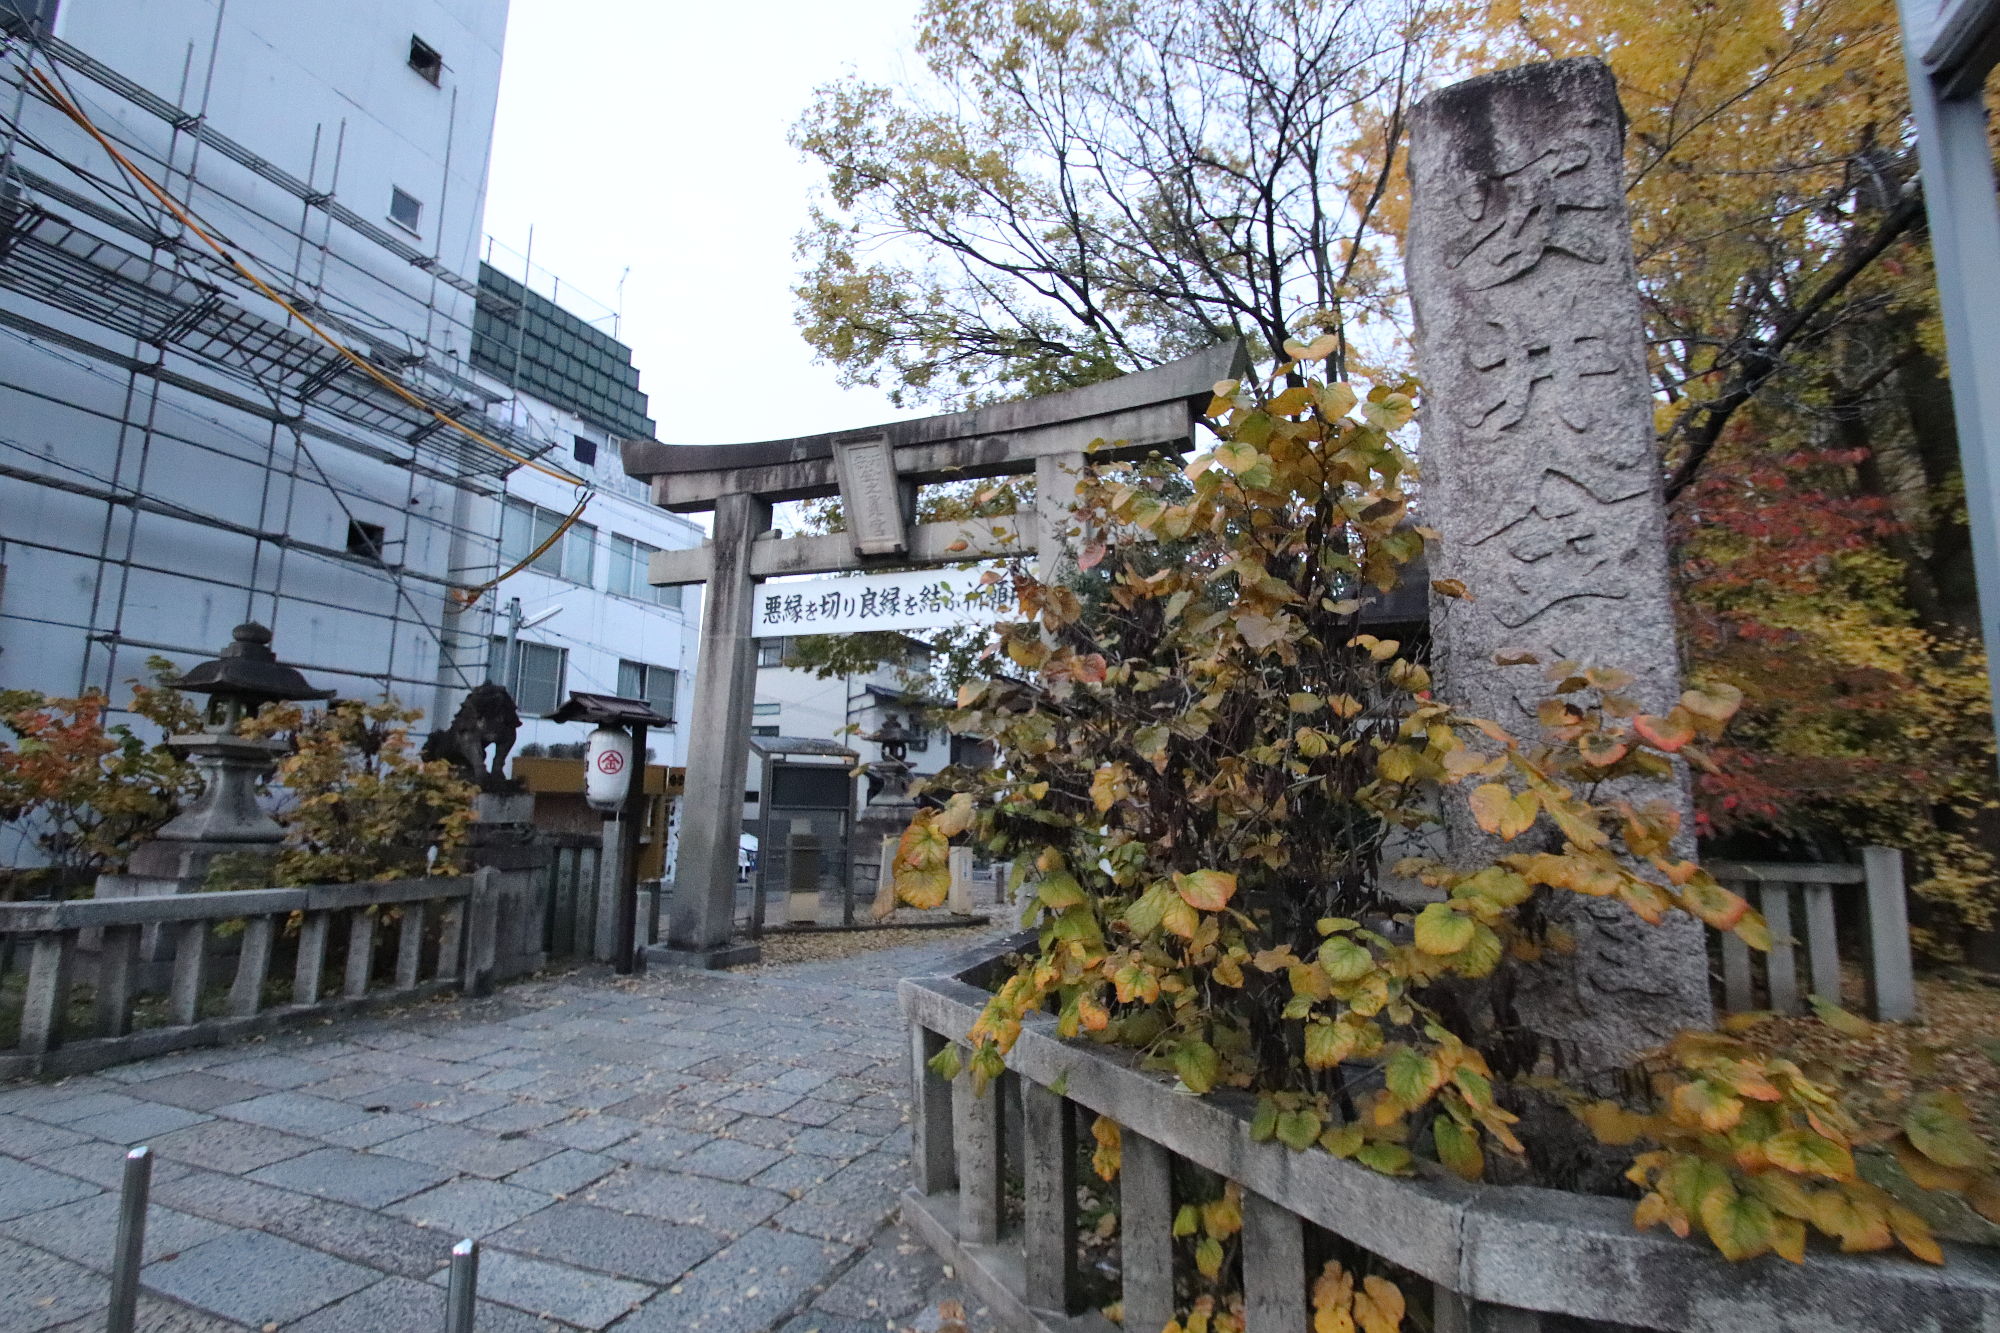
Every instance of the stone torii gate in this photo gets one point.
(876, 472)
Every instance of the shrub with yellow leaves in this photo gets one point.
(363, 802)
(1196, 791)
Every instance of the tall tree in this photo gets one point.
(1081, 189)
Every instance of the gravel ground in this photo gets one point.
(785, 949)
(1954, 1043)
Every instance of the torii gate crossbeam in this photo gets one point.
(876, 472)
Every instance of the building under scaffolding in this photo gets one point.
(244, 373)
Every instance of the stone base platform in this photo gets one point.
(707, 960)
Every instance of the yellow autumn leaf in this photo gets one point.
(1379, 1306)
(1441, 931)
(922, 867)
(1206, 890)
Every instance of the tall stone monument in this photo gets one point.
(1541, 473)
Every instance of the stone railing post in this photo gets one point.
(975, 1124)
(1145, 1232)
(1048, 1218)
(253, 966)
(1274, 1265)
(1822, 938)
(482, 907)
(117, 968)
(1774, 900)
(45, 1007)
(311, 962)
(1541, 473)
(932, 1163)
(410, 946)
(190, 970)
(360, 953)
(451, 939)
(1892, 987)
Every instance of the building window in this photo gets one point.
(365, 539)
(405, 209)
(628, 573)
(525, 527)
(537, 677)
(425, 60)
(584, 450)
(654, 684)
(579, 554)
(767, 710)
(765, 731)
(771, 652)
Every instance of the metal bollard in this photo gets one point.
(130, 1254)
(464, 1288)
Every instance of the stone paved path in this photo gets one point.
(698, 1153)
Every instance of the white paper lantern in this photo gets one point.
(607, 768)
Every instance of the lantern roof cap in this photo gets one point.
(891, 731)
(248, 669)
(608, 710)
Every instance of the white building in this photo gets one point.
(607, 631)
(792, 701)
(180, 452)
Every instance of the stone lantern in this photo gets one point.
(225, 818)
(887, 813)
(893, 769)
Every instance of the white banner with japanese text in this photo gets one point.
(918, 599)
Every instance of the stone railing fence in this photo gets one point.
(125, 950)
(1470, 1258)
(1825, 901)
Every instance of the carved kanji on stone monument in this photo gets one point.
(1541, 477)
(1519, 214)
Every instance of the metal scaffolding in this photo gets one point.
(97, 270)
(45, 256)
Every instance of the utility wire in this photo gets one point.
(62, 103)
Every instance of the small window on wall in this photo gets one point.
(425, 60)
(764, 731)
(537, 683)
(364, 539)
(770, 652)
(584, 450)
(405, 209)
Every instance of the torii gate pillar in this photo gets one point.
(725, 684)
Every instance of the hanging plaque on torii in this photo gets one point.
(876, 473)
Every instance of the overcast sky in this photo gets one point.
(634, 133)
